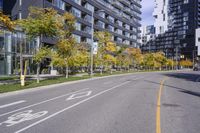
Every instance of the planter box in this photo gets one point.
(54, 72)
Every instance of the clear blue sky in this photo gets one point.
(147, 10)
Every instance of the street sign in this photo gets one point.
(95, 48)
(197, 36)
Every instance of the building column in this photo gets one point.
(8, 53)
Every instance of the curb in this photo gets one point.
(56, 85)
(69, 82)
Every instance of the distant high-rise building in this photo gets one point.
(147, 34)
(1, 5)
(179, 19)
(161, 16)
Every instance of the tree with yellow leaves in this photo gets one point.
(186, 63)
(106, 48)
(110, 60)
(40, 23)
(46, 22)
(120, 57)
(148, 60)
(134, 56)
(40, 56)
(154, 60)
(159, 60)
(70, 54)
(66, 46)
(170, 63)
(5, 21)
(80, 56)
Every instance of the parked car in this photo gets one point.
(196, 67)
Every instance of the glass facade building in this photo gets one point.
(10, 46)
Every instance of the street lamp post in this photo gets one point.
(149, 48)
(176, 57)
(92, 42)
(166, 54)
(193, 56)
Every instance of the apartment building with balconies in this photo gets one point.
(119, 17)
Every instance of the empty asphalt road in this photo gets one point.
(157, 102)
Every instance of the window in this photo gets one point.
(76, 12)
(185, 18)
(88, 30)
(88, 18)
(77, 38)
(60, 4)
(102, 14)
(185, 1)
(110, 28)
(111, 19)
(77, 1)
(78, 26)
(89, 7)
(198, 39)
(101, 24)
(119, 23)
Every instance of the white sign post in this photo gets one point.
(95, 48)
(198, 41)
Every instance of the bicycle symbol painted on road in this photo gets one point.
(23, 116)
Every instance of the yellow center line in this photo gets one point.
(158, 123)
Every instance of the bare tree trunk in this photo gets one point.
(38, 65)
(101, 71)
(21, 56)
(21, 62)
(111, 70)
(67, 72)
(38, 73)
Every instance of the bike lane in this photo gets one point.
(14, 122)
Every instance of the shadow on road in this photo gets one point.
(186, 76)
(163, 84)
(193, 93)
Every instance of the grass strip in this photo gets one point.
(32, 84)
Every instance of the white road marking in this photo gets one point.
(32, 105)
(23, 116)
(74, 105)
(79, 95)
(11, 104)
